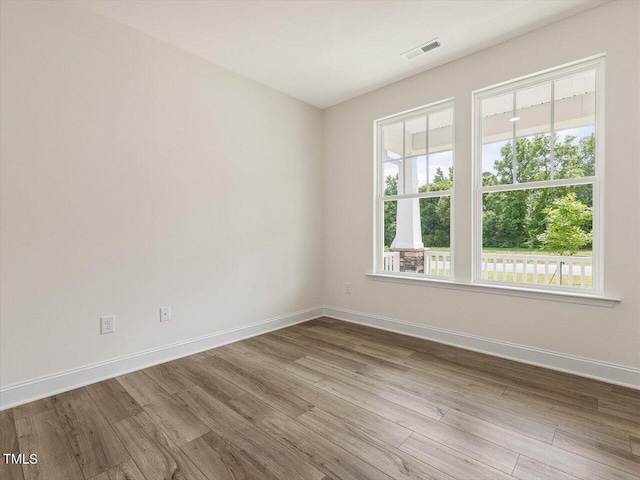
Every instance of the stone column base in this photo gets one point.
(411, 259)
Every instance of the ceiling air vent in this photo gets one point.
(414, 52)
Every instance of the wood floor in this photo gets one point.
(331, 400)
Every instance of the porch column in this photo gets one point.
(408, 239)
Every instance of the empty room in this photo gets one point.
(320, 239)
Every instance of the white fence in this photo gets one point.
(437, 263)
(538, 269)
(525, 269)
(391, 261)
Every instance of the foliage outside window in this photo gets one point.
(415, 181)
(538, 180)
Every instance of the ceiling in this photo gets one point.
(324, 52)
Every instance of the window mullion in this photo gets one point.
(514, 148)
(552, 140)
(404, 160)
(426, 142)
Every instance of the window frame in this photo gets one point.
(379, 198)
(596, 64)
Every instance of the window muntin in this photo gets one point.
(415, 165)
(537, 147)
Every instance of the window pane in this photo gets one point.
(533, 111)
(494, 156)
(438, 172)
(575, 101)
(575, 147)
(538, 236)
(435, 220)
(415, 174)
(575, 152)
(440, 166)
(390, 214)
(533, 126)
(441, 131)
(497, 139)
(532, 165)
(432, 254)
(441, 171)
(533, 158)
(392, 141)
(415, 136)
(390, 178)
(496, 112)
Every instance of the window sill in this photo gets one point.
(566, 297)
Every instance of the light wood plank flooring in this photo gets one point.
(331, 400)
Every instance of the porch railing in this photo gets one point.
(557, 270)
(437, 263)
(538, 269)
(391, 261)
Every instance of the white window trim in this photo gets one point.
(594, 63)
(379, 198)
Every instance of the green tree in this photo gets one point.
(513, 219)
(435, 212)
(565, 232)
(516, 219)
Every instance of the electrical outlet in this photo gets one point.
(347, 288)
(107, 324)
(165, 314)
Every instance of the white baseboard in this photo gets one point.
(24, 392)
(584, 367)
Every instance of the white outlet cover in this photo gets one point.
(107, 324)
(165, 314)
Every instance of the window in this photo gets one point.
(414, 192)
(538, 168)
(537, 188)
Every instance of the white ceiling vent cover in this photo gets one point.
(414, 52)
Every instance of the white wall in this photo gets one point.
(135, 175)
(602, 334)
